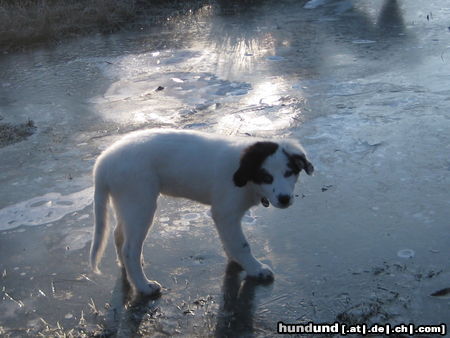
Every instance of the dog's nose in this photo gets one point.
(284, 199)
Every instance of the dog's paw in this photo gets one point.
(264, 274)
(151, 289)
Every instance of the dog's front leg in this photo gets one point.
(237, 248)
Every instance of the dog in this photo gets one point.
(231, 174)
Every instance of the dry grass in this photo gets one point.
(25, 23)
(15, 133)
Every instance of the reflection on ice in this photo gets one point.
(264, 92)
(148, 90)
(250, 122)
(162, 97)
(262, 118)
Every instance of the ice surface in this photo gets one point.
(363, 85)
(311, 4)
(406, 253)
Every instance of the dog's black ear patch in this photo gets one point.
(251, 160)
(298, 162)
(307, 166)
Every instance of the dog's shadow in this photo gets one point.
(126, 311)
(235, 316)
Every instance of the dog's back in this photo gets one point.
(182, 163)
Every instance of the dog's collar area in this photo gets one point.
(265, 202)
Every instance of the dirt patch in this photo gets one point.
(10, 134)
(31, 23)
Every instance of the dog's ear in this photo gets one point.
(302, 162)
(251, 160)
(298, 161)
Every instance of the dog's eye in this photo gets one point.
(288, 173)
(267, 178)
(264, 177)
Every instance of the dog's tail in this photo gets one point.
(101, 228)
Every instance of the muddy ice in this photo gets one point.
(364, 86)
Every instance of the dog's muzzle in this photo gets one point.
(265, 202)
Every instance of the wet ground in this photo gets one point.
(365, 85)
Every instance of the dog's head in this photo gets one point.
(274, 169)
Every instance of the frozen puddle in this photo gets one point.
(44, 209)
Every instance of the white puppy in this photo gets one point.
(231, 174)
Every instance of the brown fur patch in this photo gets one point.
(251, 160)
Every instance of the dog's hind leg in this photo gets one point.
(118, 238)
(136, 208)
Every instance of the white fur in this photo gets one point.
(194, 165)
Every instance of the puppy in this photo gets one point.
(231, 174)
